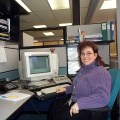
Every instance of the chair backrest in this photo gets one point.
(115, 74)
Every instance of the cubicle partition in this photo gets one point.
(73, 39)
(9, 69)
(61, 51)
(92, 29)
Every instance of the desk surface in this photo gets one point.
(7, 108)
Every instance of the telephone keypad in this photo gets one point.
(11, 86)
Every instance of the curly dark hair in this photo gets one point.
(94, 46)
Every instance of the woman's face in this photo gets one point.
(88, 55)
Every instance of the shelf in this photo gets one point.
(97, 42)
(104, 42)
(9, 41)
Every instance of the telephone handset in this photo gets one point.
(3, 89)
(6, 86)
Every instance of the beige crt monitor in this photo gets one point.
(35, 66)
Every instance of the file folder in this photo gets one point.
(104, 30)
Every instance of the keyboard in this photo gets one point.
(61, 79)
(50, 89)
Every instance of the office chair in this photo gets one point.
(104, 112)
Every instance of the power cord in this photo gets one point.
(37, 111)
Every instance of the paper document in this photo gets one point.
(14, 96)
(2, 54)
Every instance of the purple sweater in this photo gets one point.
(93, 87)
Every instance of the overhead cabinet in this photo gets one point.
(9, 20)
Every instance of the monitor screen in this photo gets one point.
(39, 64)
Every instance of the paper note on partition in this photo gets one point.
(2, 54)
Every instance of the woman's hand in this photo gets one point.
(74, 109)
(60, 89)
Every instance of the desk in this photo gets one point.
(7, 108)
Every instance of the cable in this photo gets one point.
(37, 111)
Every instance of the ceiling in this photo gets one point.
(42, 14)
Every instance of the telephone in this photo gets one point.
(6, 86)
(61, 79)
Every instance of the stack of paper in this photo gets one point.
(14, 96)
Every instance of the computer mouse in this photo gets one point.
(39, 93)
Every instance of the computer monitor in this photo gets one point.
(36, 66)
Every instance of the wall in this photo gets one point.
(118, 41)
(113, 46)
(49, 43)
(9, 69)
(89, 29)
(118, 31)
(27, 40)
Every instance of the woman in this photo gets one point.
(90, 88)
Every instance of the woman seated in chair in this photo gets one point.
(90, 88)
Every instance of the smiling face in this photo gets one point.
(88, 55)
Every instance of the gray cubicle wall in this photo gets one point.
(91, 29)
(118, 32)
(104, 52)
(9, 69)
(61, 51)
(118, 42)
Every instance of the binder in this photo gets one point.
(79, 34)
(112, 26)
(104, 30)
(108, 31)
